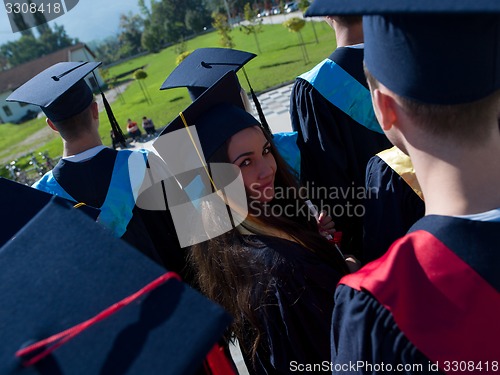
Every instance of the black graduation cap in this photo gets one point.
(187, 146)
(61, 92)
(217, 114)
(22, 202)
(62, 269)
(442, 52)
(205, 66)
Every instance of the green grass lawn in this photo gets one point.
(280, 62)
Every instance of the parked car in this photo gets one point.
(264, 13)
(275, 10)
(291, 7)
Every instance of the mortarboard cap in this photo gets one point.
(60, 91)
(22, 203)
(206, 195)
(442, 52)
(63, 269)
(217, 114)
(205, 66)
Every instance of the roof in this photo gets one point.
(13, 78)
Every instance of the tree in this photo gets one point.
(152, 38)
(197, 20)
(223, 28)
(131, 27)
(140, 75)
(28, 47)
(170, 21)
(296, 24)
(107, 51)
(162, 26)
(303, 5)
(144, 9)
(4, 63)
(182, 56)
(54, 40)
(24, 49)
(254, 25)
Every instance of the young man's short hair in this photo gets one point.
(72, 128)
(464, 122)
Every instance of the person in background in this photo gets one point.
(330, 108)
(431, 302)
(274, 272)
(95, 175)
(148, 126)
(133, 130)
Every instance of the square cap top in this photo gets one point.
(59, 90)
(369, 7)
(23, 203)
(217, 114)
(63, 269)
(205, 66)
(442, 52)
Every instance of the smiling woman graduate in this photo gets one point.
(432, 301)
(274, 273)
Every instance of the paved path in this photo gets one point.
(276, 105)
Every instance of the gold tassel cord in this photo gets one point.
(197, 150)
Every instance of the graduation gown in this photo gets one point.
(152, 232)
(391, 208)
(330, 108)
(296, 316)
(432, 299)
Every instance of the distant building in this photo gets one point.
(13, 78)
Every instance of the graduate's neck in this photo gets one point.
(348, 35)
(459, 180)
(80, 145)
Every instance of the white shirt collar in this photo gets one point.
(492, 215)
(85, 155)
(357, 46)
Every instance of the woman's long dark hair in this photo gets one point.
(233, 276)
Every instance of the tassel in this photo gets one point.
(117, 131)
(258, 107)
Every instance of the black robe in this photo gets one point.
(296, 316)
(152, 232)
(391, 208)
(335, 149)
(432, 299)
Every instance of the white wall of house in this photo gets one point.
(13, 111)
(83, 54)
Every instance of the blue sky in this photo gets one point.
(88, 20)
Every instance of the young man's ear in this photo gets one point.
(95, 110)
(385, 107)
(51, 125)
